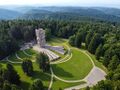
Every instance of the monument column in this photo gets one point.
(40, 35)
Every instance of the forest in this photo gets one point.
(100, 38)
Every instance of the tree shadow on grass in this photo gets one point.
(25, 85)
(61, 72)
(45, 88)
(41, 75)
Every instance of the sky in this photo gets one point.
(93, 3)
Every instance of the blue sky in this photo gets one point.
(104, 3)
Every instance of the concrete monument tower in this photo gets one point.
(40, 35)
(41, 45)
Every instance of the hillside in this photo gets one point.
(62, 13)
(70, 13)
(8, 14)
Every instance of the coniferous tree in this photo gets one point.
(108, 56)
(87, 88)
(37, 85)
(113, 63)
(43, 62)
(27, 67)
(104, 85)
(48, 34)
(12, 75)
(15, 87)
(78, 40)
(96, 40)
(6, 86)
(88, 39)
(72, 40)
(99, 52)
(1, 82)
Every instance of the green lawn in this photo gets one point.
(22, 55)
(26, 80)
(57, 41)
(76, 68)
(31, 52)
(59, 84)
(14, 58)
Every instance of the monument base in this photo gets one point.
(52, 56)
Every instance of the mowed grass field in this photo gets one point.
(26, 80)
(76, 68)
(62, 85)
(57, 41)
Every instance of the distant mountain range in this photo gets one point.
(61, 13)
(9, 14)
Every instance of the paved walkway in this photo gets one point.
(18, 56)
(16, 62)
(12, 61)
(92, 79)
(26, 53)
(95, 75)
(51, 82)
(66, 58)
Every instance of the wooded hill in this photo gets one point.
(62, 13)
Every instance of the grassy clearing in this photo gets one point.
(31, 52)
(76, 68)
(59, 84)
(14, 58)
(26, 80)
(57, 41)
(22, 55)
(97, 63)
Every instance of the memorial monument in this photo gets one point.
(41, 45)
(40, 35)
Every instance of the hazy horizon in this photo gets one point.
(73, 3)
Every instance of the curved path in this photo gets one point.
(51, 82)
(26, 53)
(18, 56)
(64, 59)
(12, 61)
(95, 75)
(68, 81)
